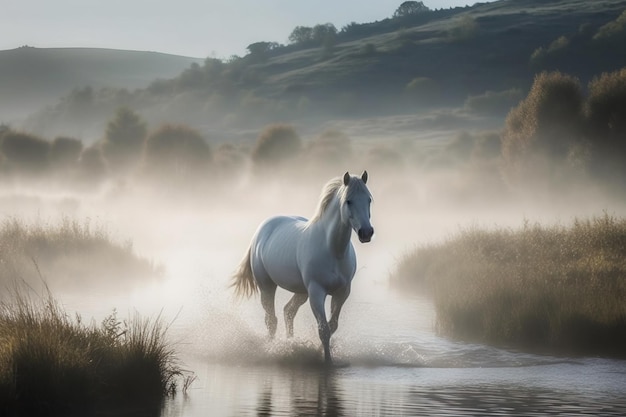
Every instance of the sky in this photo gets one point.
(196, 28)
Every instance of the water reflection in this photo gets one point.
(311, 393)
(564, 389)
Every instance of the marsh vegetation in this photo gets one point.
(557, 288)
(52, 363)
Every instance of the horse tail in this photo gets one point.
(243, 280)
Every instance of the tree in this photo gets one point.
(541, 131)
(25, 153)
(176, 153)
(125, 135)
(276, 144)
(410, 8)
(260, 50)
(65, 152)
(606, 116)
(301, 35)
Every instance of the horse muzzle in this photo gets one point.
(365, 234)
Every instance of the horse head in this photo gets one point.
(355, 208)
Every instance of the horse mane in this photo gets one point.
(333, 188)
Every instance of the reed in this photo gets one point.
(53, 364)
(70, 252)
(554, 289)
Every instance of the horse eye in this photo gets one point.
(349, 202)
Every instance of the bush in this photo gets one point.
(125, 135)
(330, 150)
(494, 103)
(556, 288)
(612, 30)
(91, 166)
(176, 153)
(25, 153)
(541, 130)
(277, 144)
(606, 115)
(65, 153)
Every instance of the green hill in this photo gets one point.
(30, 77)
(432, 59)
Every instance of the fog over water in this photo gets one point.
(392, 360)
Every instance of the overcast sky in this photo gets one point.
(197, 28)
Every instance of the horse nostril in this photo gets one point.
(365, 234)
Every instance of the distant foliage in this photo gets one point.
(464, 29)
(330, 150)
(423, 91)
(410, 8)
(275, 145)
(125, 135)
(494, 102)
(65, 152)
(319, 35)
(25, 153)
(176, 153)
(92, 166)
(606, 115)
(613, 29)
(546, 124)
(259, 51)
(541, 53)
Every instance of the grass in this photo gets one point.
(67, 250)
(553, 289)
(51, 364)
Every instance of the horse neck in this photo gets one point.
(337, 232)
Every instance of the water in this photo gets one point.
(388, 365)
(391, 362)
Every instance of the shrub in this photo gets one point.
(606, 117)
(423, 91)
(494, 102)
(65, 152)
(125, 135)
(465, 29)
(176, 153)
(543, 127)
(91, 166)
(25, 153)
(614, 29)
(277, 144)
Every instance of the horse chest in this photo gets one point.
(330, 273)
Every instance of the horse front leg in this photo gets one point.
(317, 297)
(337, 301)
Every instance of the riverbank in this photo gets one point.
(555, 289)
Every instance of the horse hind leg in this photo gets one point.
(267, 300)
(290, 310)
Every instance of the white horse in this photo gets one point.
(311, 258)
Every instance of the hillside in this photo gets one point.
(30, 77)
(395, 66)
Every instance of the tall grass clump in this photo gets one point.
(52, 364)
(68, 249)
(555, 289)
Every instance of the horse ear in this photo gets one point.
(364, 177)
(346, 178)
